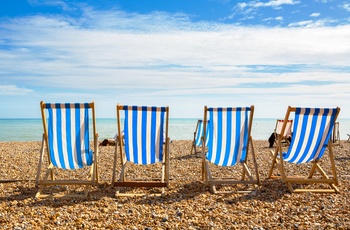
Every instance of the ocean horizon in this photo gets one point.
(31, 129)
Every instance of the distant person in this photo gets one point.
(271, 140)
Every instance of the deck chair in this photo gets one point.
(67, 143)
(287, 134)
(311, 135)
(336, 134)
(144, 128)
(228, 145)
(197, 136)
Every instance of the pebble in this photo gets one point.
(188, 204)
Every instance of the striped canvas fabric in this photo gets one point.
(312, 130)
(143, 134)
(68, 135)
(228, 135)
(200, 133)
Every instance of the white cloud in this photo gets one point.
(183, 65)
(58, 3)
(313, 24)
(315, 15)
(346, 6)
(251, 7)
(279, 18)
(271, 3)
(242, 5)
(301, 23)
(12, 90)
(275, 3)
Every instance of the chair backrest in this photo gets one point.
(67, 134)
(288, 129)
(229, 132)
(311, 133)
(144, 128)
(199, 133)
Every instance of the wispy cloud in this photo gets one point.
(315, 15)
(272, 3)
(99, 57)
(12, 90)
(58, 3)
(346, 6)
(320, 23)
(251, 10)
(295, 13)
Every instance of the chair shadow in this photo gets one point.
(188, 156)
(21, 193)
(188, 191)
(96, 192)
(269, 191)
(342, 158)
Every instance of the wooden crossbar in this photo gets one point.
(215, 181)
(66, 182)
(308, 180)
(135, 184)
(314, 190)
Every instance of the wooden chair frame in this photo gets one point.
(49, 177)
(246, 175)
(194, 146)
(162, 182)
(315, 166)
(336, 134)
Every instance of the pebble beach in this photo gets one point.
(187, 204)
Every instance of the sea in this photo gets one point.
(179, 128)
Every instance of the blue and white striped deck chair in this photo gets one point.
(197, 136)
(67, 143)
(312, 132)
(144, 128)
(229, 141)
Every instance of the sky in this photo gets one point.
(178, 53)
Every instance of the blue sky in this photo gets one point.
(184, 54)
